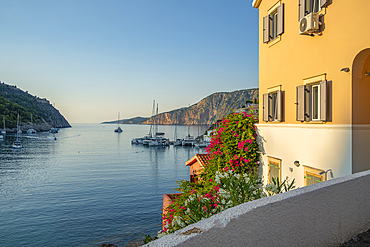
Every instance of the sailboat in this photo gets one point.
(118, 130)
(176, 141)
(188, 140)
(3, 131)
(148, 137)
(31, 131)
(17, 144)
(158, 139)
(19, 131)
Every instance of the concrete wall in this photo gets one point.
(319, 146)
(324, 214)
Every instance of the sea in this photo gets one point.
(89, 186)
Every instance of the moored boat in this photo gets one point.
(118, 130)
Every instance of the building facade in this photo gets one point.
(314, 85)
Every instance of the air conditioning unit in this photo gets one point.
(309, 24)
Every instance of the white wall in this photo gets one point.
(324, 214)
(361, 147)
(320, 146)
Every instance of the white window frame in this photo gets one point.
(309, 4)
(316, 101)
(306, 100)
(273, 25)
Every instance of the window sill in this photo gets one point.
(274, 41)
(315, 122)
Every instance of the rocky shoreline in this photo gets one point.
(41, 127)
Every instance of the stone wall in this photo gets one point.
(324, 214)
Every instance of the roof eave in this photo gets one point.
(256, 3)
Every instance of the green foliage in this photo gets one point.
(277, 187)
(148, 239)
(11, 110)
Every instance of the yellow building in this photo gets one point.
(314, 84)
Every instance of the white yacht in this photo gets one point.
(31, 131)
(188, 141)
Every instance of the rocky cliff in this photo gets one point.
(14, 102)
(208, 109)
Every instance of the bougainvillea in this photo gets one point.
(228, 179)
(233, 146)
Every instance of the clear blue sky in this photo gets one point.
(95, 58)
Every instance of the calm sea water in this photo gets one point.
(88, 187)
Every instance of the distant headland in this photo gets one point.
(14, 101)
(204, 112)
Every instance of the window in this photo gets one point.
(273, 24)
(273, 19)
(311, 102)
(312, 176)
(272, 107)
(315, 102)
(309, 6)
(274, 168)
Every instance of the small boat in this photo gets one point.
(118, 130)
(17, 144)
(1, 137)
(177, 142)
(31, 131)
(201, 144)
(53, 130)
(188, 140)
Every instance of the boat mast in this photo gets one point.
(118, 121)
(175, 135)
(188, 123)
(157, 121)
(152, 120)
(17, 125)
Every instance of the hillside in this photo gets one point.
(14, 101)
(135, 120)
(202, 113)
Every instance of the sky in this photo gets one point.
(94, 59)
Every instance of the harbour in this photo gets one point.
(88, 187)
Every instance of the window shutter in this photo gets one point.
(324, 3)
(302, 9)
(301, 103)
(323, 101)
(280, 20)
(265, 107)
(266, 32)
(279, 106)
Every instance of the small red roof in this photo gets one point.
(201, 158)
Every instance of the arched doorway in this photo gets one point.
(361, 112)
